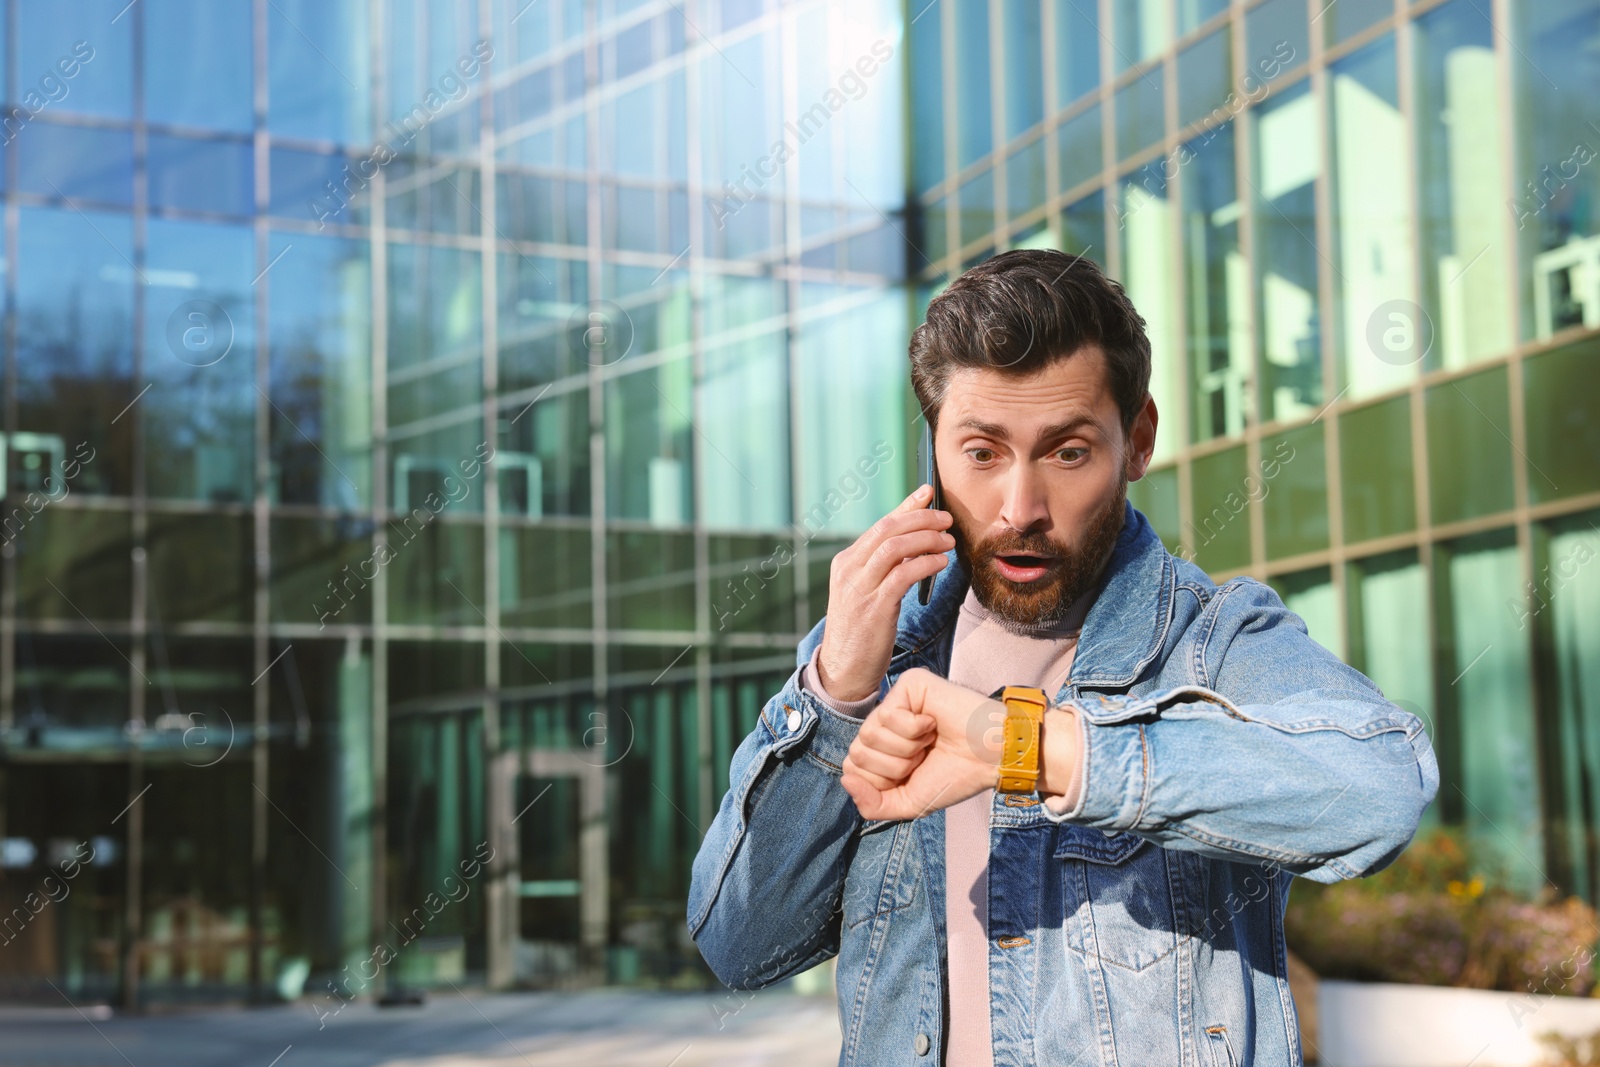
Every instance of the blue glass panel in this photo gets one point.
(75, 291)
(91, 39)
(1080, 150)
(1140, 112)
(927, 95)
(1204, 76)
(300, 187)
(76, 161)
(318, 67)
(197, 64)
(1193, 13)
(973, 112)
(1278, 28)
(192, 175)
(1077, 49)
(1024, 65)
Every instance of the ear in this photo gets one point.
(1142, 439)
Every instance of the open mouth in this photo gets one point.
(1022, 567)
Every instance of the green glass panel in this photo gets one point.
(1309, 594)
(1204, 76)
(1568, 587)
(545, 576)
(1562, 397)
(436, 575)
(650, 580)
(752, 584)
(1469, 447)
(1140, 106)
(1294, 491)
(1389, 636)
(1079, 148)
(1278, 29)
(1156, 495)
(1025, 179)
(977, 208)
(72, 563)
(1375, 458)
(200, 567)
(322, 568)
(1219, 532)
(1489, 685)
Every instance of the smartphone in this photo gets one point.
(930, 476)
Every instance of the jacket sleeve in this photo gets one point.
(1278, 753)
(766, 891)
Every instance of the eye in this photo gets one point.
(981, 455)
(1072, 455)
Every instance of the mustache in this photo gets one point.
(1020, 543)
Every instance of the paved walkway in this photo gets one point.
(614, 1028)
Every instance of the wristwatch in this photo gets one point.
(1019, 753)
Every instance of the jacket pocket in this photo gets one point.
(882, 875)
(1117, 896)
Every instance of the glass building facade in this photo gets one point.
(427, 425)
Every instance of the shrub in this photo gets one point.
(1434, 918)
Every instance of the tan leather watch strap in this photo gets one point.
(1020, 751)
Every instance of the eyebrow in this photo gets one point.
(1049, 433)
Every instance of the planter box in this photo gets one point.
(1377, 1024)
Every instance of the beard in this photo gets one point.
(1073, 571)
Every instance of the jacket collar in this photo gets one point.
(1124, 631)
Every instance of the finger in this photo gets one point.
(867, 774)
(911, 728)
(892, 550)
(918, 498)
(891, 769)
(900, 522)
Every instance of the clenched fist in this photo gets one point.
(932, 743)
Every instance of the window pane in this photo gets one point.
(650, 580)
(299, 188)
(201, 567)
(1156, 496)
(1345, 18)
(1079, 148)
(79, 162)
(1142, 30)
(1218, 288)
(1309, 594)
(1278, 28)
(925, 48)
(75, 683)
(1556, 83)
(1204, 76)
(1381, 332)
(1460, 149)
(322, 569)
(57, 37)
(1562, 412)
(197, 64)
(1077, 49)
(75, 563)
(1221, 526)
(1140, 112)
(200, 338)
(977, 208)
(974, 132)
(1469, 447)
(1294, 479)
(1568, 587)
(1025, 179)
(319, 91)
(75, 293)
(321, 374)
(545, 575)
(649, 462)
(1389, 635)
(1490, 688)
(1024, 65)
(1192, 13)
(744, 398)
(1083, 228)
(1146, 227)
(752, 584)
(436, 575)
(1375, 461)
(1286, 166)
(193, 175)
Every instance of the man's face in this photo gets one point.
(1035, 470)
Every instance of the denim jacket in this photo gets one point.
(1224, 753)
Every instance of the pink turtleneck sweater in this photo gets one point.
(984, 656)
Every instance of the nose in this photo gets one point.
(1024, 505)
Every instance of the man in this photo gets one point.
(1103, 884)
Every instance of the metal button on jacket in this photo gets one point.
(921, 1044)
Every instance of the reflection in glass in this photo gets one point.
(1460, 150)
(649, 458)
(1218, 288)
(1274, 24)
(74, 293)
(1024, 73)
(321, 374)
(744, 405)
(1380, 333)
(1219, 531)
(200, 338)
(1025, 179)
(1375, 464)
(1141, 30)
(1294, 478)
(1145, 224)
(1193, 13)
(214, 176)
(80, 162)
(977, 208)
(197, 64)
(1080, 148)
(1309, 594)
(1557, 172)
(48, 44)
(1286, 165)
(1141, 109)
(319, 70)
(1562, 414)
(1083, 227)
(1469, 447)
(1492, 728)
(1205, 76)
(925, 48)
(974, 133)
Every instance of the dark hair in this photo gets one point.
(1023, 310)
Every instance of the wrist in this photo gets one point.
(1058, 752)
(839, 690)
